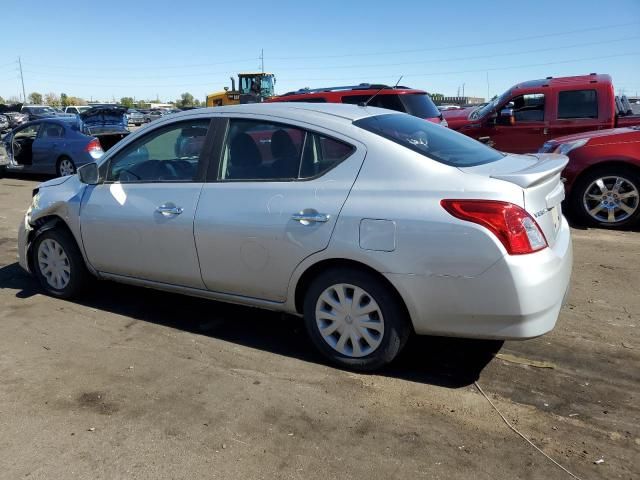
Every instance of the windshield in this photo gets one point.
(431, 140)
(489, 107)
(419, 105)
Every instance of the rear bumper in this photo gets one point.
(518, 297)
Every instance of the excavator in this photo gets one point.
(253, 87)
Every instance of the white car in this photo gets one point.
(76, 109)
(370, 224)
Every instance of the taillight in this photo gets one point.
(94, 148)
(514, 227)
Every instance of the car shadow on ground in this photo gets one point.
(446, 362)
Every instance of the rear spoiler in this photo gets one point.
(548, 165)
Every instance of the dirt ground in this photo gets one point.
(130, 383)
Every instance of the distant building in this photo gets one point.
(441, 100)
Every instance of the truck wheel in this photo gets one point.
(607, 197)
(354, 319)
(58, 264)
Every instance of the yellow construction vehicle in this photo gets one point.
(253, 87)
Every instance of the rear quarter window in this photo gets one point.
(578, 104)
(433, 141)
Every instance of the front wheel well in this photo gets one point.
(41, 225)
(314, 270)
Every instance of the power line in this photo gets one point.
(335, 67)
(419, 74)
(449, 47)
(150, 67)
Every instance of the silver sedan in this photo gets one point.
(370, 224)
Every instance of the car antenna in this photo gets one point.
(364, 104)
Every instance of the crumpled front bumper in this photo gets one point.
(23, 242)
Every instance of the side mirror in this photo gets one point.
(506, 117)
(89, 174)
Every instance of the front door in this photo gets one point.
(274, 201)
(527, 133)
(46, 147)
(139, 222)
(21, 148)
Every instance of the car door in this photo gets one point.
(21, 148)
(527, 133)
(267, 210)
(46, 146)
(139, 221)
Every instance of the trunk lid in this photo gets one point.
(539, 177)
(104, 120)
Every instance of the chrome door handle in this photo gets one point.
(308, 218)
(168, 209)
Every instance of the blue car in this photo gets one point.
(59, 145)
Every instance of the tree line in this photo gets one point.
(63, 100)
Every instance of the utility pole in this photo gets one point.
(24, 94)
(262, 60)
(463, 89)
(488, 86)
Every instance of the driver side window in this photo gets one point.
(169, 154)
(528, 108)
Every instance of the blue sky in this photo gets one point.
(142, 48)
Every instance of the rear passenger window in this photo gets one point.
(321, 154)
(390, 102)
(256, 150)
(578, 104)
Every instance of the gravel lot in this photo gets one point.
(130, 383)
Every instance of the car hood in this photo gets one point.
(456, 118)
(102, 115)
(55, 181)
(589, 135)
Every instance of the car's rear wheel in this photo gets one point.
(58, 264)
(608, 197)
(65, 167)
(355, 319)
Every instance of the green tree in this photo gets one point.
(64, 100)
(141, 104)
(185, 100)
(52, 99)
(35, 98)
(76, 101)
(128, 102)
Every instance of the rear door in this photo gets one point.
(576, 111)
(46, 146)
(139, 222)
(273, 201)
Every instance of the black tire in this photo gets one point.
(59, 165)
(394, 317)
(584, 185)
(79, 276)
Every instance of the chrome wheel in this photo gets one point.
(349, 320)
(611, 199)
(54, 264)
(66, 167)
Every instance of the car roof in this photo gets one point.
(301, 111)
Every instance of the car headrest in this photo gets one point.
(282, 146)
(244, 152)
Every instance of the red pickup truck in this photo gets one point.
(531, 113)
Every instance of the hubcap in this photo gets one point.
(611, 199)
(349, 320)
(54, 264)
(66, 168)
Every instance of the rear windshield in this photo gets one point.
(431, 140)
(419, 105)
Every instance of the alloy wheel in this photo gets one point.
(611, 199)
(54, 264)
(66, 167)
(349, 320)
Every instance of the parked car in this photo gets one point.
(12, 112)
(76, 109)
(154, 114)
(60, 145)
(135, 117)
(296, 208)
(531, 113)
(37, 112)
(398, 98)
(603, 175)
(4, 123)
